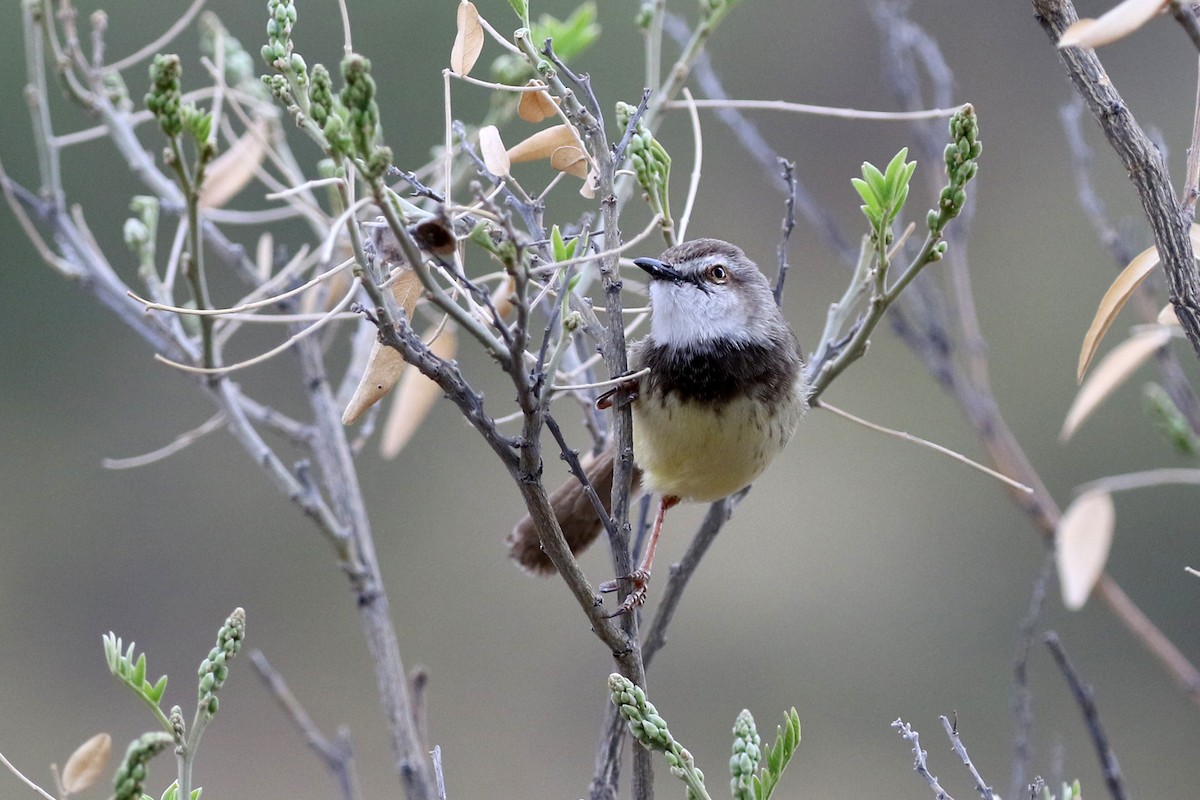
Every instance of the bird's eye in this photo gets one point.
(717, 273)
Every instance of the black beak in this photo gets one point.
(660, 271)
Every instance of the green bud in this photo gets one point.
(645, 15)
(137, 235)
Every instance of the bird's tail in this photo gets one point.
(575, 514)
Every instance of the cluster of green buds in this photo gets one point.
(277, 52)
(214, 669)
(358, 98)
(650, 730)
(165, 97)
(962, 155)
(131, 775)
(747, 754)
(165, 102)
(651, 164)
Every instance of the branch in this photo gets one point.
(338, 753)
(1146, 166)
(961, 366)
(1086, 701)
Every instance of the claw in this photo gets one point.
(640, 580)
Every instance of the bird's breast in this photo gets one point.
(705, 451)
(709, 419)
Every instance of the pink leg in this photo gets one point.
(641, 576)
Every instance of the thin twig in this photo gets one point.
(682, 571)
(920, 764)
(960, 749)
(28, 782)
(337, 753)
(1184, 12)
(180, 442)
(753, 142)
(1022, 697)
(788, 172)
(820, 111)
(1085, 699)
(159, 43)
(937, 448)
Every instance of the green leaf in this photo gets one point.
(479, 235)
(138, 676)
(895, 166)
(521, 7)
(160, 688)
(864, 191)
(787, 737)
(571, 36)
(875, 180)
(557, 246)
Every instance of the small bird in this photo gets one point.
(723, 393)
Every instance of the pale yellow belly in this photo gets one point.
(696, 453)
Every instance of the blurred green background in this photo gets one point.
(862, 580)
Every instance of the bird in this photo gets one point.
(718, 388)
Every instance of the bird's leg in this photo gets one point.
(640, 578)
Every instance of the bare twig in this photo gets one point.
(1085, 699)
(337, 753)
(920, 763)
(960, 750)
(754, 143)
(682, 571)
(788, 171)
(1022, 697)
(1184, 12)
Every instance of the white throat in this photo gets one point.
(686, 316)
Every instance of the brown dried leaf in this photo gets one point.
(385, 365)
(1082, 542)
(543, 144)
(571, 160)
(536, 106)
(590, 185)
(1110, 373)
(495, 157)
(1113, 301)
(1116, 23)
(86, 764)
(229, 172)
(468, 42)
(414, 398)
(406, 288)
(1120, 291)
(502, 298)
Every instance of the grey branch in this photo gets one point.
(1086, 701)
(337, 753)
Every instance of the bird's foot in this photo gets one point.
(622, 394)
(640, 579)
